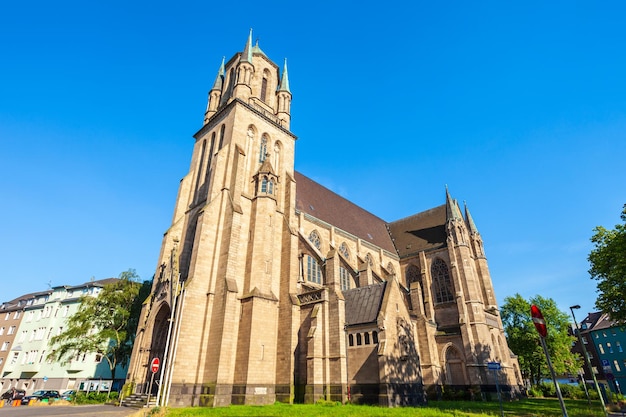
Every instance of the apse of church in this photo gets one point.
(270, 287)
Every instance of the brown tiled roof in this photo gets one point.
(363, 303)
(420, 232)
(323, 204)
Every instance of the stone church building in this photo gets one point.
(270, 287)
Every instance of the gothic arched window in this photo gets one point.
(343, 249)
(222, 136)
(313, 270)
(412, 275)
(264, 87)
(263, 149)
(314, 238)
(442, 285)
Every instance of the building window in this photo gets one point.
(263, 149)
(11, 330)
(222, 130)
(585, 341)
(609, 347)
(264, 88)
(375, 337)
(616, 365)
(314, 238)
(441, 281)
(601, 348)
(619, 346)
(412, 275)
(351, 339)
(267, 186)
(14, 358)
(343, 249)
(313, 270)
(344, 279)
(5, 346)
(17, 314)
(1, 331)
(359, 339)
(367, 338)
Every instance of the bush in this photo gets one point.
(95, 397)
(535, 391)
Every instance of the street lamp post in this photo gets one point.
(582, 345)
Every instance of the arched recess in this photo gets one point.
(454, 365)
(159, 338)
(276, 157)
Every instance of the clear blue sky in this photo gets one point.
(520, 109)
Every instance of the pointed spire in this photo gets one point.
(219, 79)
(266, 166)
(246, 55)
(452, 209)
(284, 81)
(470, 221)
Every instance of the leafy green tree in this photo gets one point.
(105, 324)
(523, 338)
(608, 267)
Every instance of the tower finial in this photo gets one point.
(246, 55)
(284, 81)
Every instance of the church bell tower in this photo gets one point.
(233, 226)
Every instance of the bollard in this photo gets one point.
(1, 403)
(17, 403)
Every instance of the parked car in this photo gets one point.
(68, 395)
(13, 394)
(42, 394)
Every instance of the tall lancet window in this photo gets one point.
(263, 149)
(264, 88)
(442, 285)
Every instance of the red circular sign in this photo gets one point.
(154, 365)
(540, 323)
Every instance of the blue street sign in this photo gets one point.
(494, 366)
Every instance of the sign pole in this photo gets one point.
(540, 325)
(150, 388)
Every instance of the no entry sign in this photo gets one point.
(540, 323)
(154, 365)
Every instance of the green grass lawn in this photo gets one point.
(536, 407)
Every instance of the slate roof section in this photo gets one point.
(603, 322)
(420, 232)
(590, 321)
(363, 303)
(323, 204)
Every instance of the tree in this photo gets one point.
(608, 267)
(104, 324)
(523, 338)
